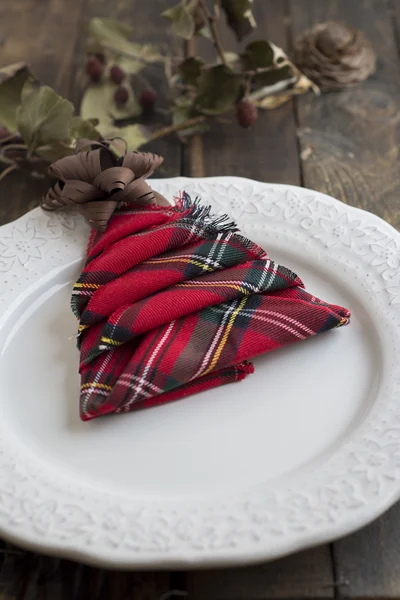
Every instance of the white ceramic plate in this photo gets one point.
(305, 450)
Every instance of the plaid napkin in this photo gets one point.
(173, 301)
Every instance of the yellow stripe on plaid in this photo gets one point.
(111, 342)
(342, 321)
(214, 284)
(93, 286)
(225, 336)
(82, 327)
(93, 384)
(183, 260)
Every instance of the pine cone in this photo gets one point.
(334, 55)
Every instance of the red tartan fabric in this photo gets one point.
(173, 301)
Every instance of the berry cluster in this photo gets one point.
(96, 68)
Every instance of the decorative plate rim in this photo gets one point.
(351, 487)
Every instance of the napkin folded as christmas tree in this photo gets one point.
(171, 300)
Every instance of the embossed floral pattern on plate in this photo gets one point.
(359, 481)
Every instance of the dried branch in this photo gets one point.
(214, 31)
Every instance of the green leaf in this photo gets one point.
(43, 116)
(81, 128)
(190, 69)
(12, 80)
(258, 55)
(218, 90)
(54, 151)
(183, 24)
(272, 77)
(239, 16)
(182, 113)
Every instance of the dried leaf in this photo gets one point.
(267, 98)
(190, 69)
(239, 16)
(134, 135)
(98, 102)
(145, 54)
(112, 37)
(204, 32)
(182, 21)
(12, 80)
(232, 58)
(218, 90)
(43, 116)
(109, 32)
(271, 102)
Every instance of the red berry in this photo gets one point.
(4, 133)
(246, 113)
(121, 95)
(147, 99)
(117, 75)
(94, 68)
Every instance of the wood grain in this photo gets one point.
(350, 139)
(351, 151)
(353, 139)
(267, 152)
(304, 575)
(44, 35)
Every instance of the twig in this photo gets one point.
(8, 138)
(178, 127)
(5, 149)
(214, 31)
(7, 171)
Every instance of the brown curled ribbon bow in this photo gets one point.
(97, 183)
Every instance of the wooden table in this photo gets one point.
(344, 144)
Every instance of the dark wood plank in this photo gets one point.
(353, 139)
(44, 35)
(369, 559)
(304, 575)
(267, 152)
(350, 139)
